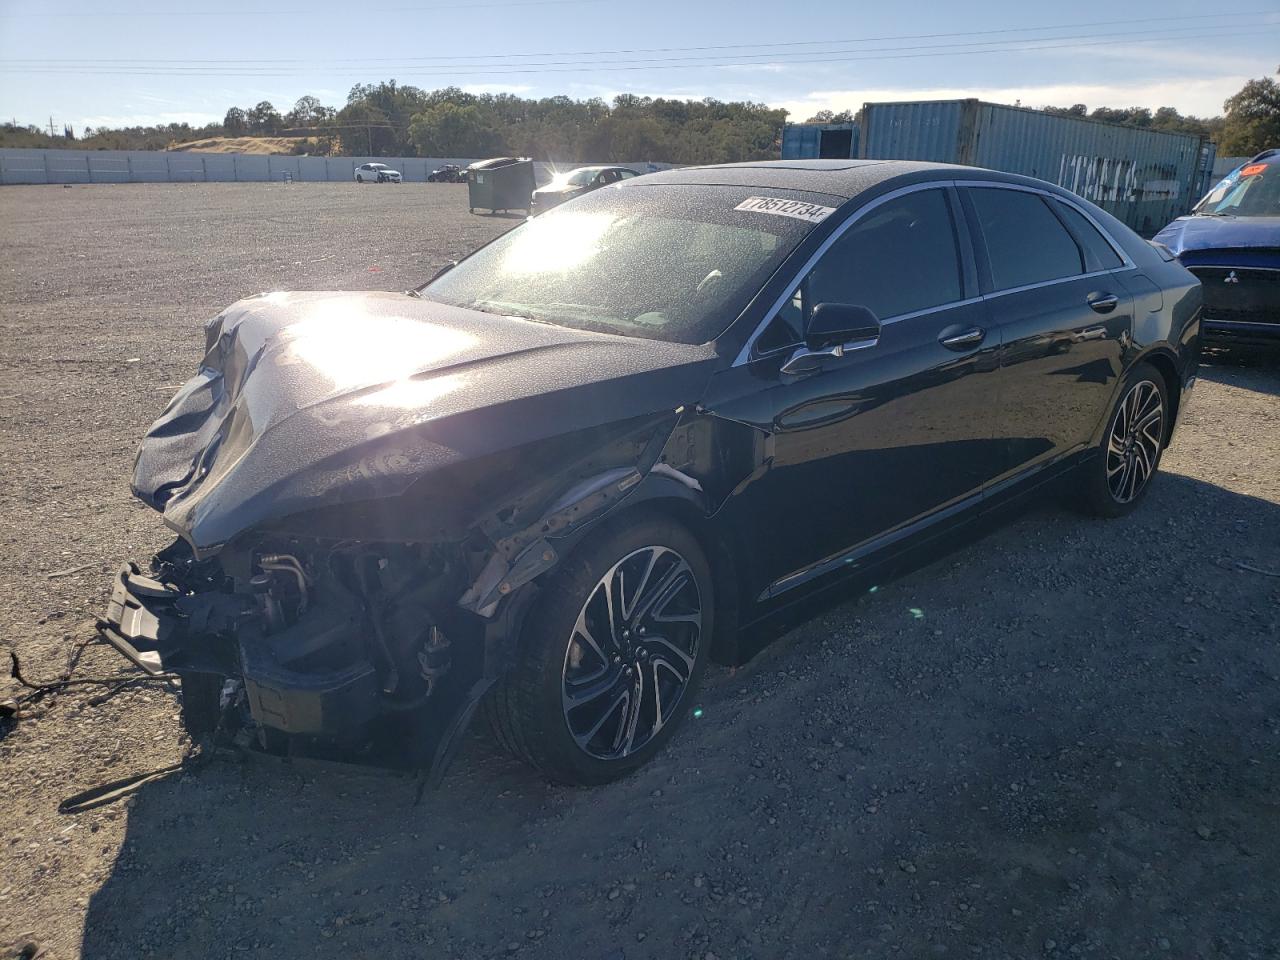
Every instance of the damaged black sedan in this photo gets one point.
(561, 476)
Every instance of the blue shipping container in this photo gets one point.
(812, 141)
(1143, 177)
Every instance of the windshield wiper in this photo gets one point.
(499, 309)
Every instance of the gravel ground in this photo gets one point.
(1073, 752)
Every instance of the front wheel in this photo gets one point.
(1131, 447)
(201, 698)
(611, 656)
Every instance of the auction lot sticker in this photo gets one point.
(786, 208)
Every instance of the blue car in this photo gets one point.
(1231, 241)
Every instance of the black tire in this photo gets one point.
(201, 698)
(1118, 477)
(530, 710)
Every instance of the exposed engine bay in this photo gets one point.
(327, 646)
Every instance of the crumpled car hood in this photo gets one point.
(311, 399)
(1188, 234)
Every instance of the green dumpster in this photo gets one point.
(503, 183)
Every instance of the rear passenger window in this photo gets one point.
(1098, 253)
(898, 258)
(1026, 243)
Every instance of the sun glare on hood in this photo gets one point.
(411, 393)
(352, 347)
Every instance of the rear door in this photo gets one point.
(1054, 293)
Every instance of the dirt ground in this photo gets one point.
(1071, 748)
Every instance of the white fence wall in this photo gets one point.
(144, 166)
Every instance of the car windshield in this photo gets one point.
(1253, 192)
(578, 178)
(665, 262)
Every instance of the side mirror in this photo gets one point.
(838, 323)
(834, 329)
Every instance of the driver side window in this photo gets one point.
(899, 257)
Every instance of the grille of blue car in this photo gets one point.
(1240, 294)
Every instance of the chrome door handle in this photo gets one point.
(965, 339)
(1103, 302)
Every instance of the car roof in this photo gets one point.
(844, 179)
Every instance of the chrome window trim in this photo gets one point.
(1126, 260)
(1193, 267)
(1049, 283)
(950, 304)
(747, 353)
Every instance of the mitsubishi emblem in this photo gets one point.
(1231, 278)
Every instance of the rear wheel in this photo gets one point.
(1120, 475)
(611, 657)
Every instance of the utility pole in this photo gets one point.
(51, 125)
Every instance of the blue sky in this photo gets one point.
(155, 61)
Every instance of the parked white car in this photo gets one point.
(377, 173)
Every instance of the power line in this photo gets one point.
(268, 12)
(486, 62)
(828, 57)
(728, 46)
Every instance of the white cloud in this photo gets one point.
(1201, 96)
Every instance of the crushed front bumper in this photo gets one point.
(141, 621)
(163, 630)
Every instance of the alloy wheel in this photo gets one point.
(1133, 446)
(632, 653)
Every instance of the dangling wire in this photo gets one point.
(39, 690)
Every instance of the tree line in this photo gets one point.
(388, 119)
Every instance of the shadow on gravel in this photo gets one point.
(1256, 368)
(1072, 745)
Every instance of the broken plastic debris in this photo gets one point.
(697, 712)
(917, 613)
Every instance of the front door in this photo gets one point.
(895, 430)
